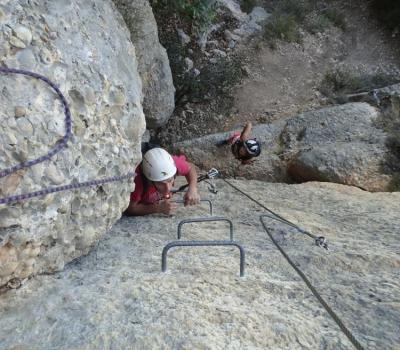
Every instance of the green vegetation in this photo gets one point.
(339, 83)
(335, 17)
(214, 80)
(199, 14)
(282, 28)
(299, 9)
(247, 5)
(320, 21)
(289, 17)
(194, 17)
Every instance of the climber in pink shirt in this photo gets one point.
(243, 147)
(154, 180)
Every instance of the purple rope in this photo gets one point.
(60, 144)
(49, 190)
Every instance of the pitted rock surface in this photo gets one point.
(69, 42)
(117, 296)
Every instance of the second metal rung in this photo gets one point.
(202, 243)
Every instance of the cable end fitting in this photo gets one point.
(322, 242)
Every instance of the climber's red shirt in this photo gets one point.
(233, 138)
(150, 195)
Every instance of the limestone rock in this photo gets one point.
(153, 63)
(185, 39)
(351, 122)
(358, 164)
(96, 70)
(341, 144)
(392, 90)
(234, 9)
(118, 295)
(268, 166)
(249, 24)
(23, 34)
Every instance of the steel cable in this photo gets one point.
(279, 218)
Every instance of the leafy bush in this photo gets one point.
(289, 16)
(247, 5)
(214, 80)
(282, 28)
(198, 13)
(298, 9)
(335, 17)
(323, 19)
(338, 83)
(285, 22)
(193, 16)
(317, 24)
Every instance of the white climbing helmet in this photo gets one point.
(158, 165)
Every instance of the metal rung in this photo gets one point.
(205, 244)
(201, 200)
(216, 218)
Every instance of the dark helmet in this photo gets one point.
(252, 147)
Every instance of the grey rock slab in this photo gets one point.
(357, 164)
(117, 296)
(204, 153)
(341, 144)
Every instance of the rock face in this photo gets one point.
(269, 167)
(200, 302)
(71, 43)
(391, 91)
(341, 144)
(153, 63)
